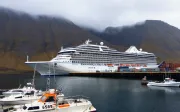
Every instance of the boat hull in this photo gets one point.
(78, 108)
(173, 84)
(17, 101)
(48, 68)
(10, 93)
(59, 68)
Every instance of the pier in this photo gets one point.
(132, 75)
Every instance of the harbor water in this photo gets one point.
(106, 94)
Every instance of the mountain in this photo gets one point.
(152, 36)
(40, 37)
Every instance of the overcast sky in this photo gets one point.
(102, 13)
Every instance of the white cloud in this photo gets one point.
(102, 13)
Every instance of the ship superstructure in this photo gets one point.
(89, 58)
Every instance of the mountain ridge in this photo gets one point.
(151, 35)
(41, 38)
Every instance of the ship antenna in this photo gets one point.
(87, 41)
(27, 59)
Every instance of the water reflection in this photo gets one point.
(106, 94)
(165, 89)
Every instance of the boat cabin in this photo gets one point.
(48, 97)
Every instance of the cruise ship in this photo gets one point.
(93, 58)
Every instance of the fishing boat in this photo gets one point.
(75, 104)
(168, 82)
(52, 101)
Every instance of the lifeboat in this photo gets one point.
(109, 65)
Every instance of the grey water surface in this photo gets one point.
(106, 94)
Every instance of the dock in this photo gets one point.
(131, 75)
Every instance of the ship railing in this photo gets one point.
(77, 97)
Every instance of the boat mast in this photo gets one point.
(48, 80)
(54, 75)
(27, 59)
(33, 80)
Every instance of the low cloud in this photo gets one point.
(99, 14)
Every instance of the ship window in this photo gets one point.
(18, 97)
(17, 91)
(50, 99)
(33, 108)
(30, 93)
(24, 107)
(43, 98)
(63, 102)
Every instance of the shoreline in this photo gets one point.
(14, 72)
(124, 75)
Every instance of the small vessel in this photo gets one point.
(168, 82)
(75, 104)
(52, 101)
(144, 81)
(21, 95)
(28, 88)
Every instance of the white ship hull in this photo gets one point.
(73, 108)
(48, 68)
(164, 84)
(17, 101)
(6, 94)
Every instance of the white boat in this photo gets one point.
(18, 99)
(26, 89)
(92, 58)
(52, 102)
(75, 104)
(21, 95)
(168, 82)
